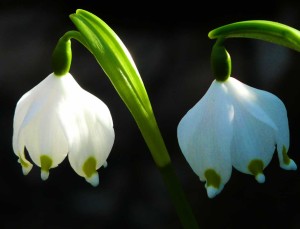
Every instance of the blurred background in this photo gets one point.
(170, 47)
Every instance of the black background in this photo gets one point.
(169, 44)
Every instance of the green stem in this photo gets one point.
(62, 54)
(73, 34)
(156, 145)
(269, 31)
(116, 62)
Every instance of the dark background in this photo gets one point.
(169, 44)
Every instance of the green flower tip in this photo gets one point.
(26, 166)
(287, 163)
(89, 169)
(46, 163)
(220, 61)
(256, 168)
(213, 183)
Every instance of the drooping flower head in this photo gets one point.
(234, 125)
(57, 118)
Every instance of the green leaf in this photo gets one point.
(117, 63)
(269, 31)
(115, 60)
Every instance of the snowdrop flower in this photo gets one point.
(58, 118)
(234, 125)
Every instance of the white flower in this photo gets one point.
(234, 125)
(58, 118)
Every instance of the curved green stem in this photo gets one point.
(269, 31)
(62, 54)
(117, 63)
(73, 34)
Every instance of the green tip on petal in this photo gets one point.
(287, 163)
(285, 157)
(256, 168)
(26, 166)
(93, 179)
(213, 183)
(89, 167)
(46, 163)
(212, 178)
(26, 169)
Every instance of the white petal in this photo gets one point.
(276, 110)
(89, 129)
(247, 98)
(205, 133)
(19, 147)
(252, 140)
(42, 127)
(263, 104)
(20, 112)
(44, 136)
(23, 106)
(36, 123)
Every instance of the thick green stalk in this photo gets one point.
(116, 61)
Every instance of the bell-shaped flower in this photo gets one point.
(234, 125)
(58, 118)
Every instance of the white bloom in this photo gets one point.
(58, 118)
(234, 125)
